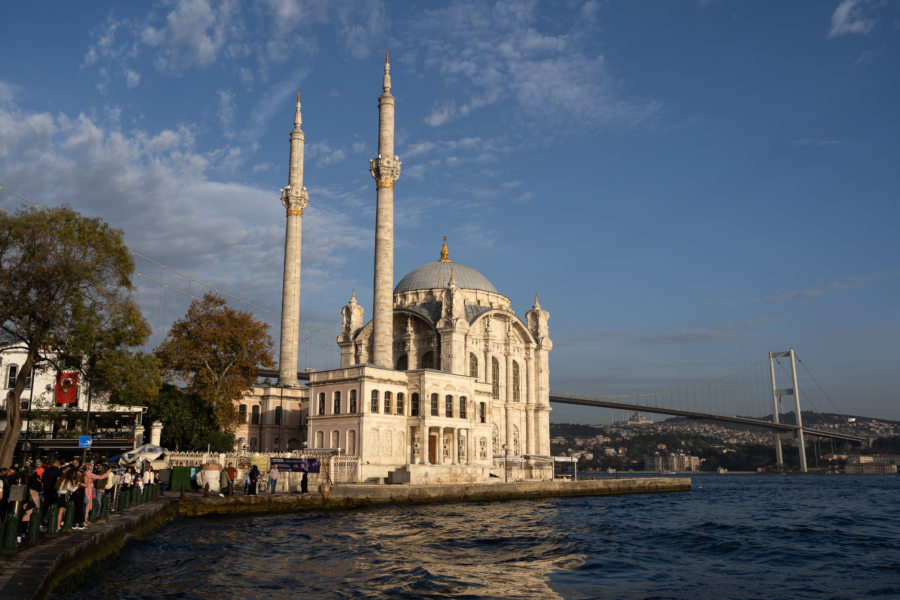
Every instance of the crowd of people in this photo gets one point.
(53, 487)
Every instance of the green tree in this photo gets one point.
(217, 352)
(188, 423)
(66, 296)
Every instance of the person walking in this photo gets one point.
(273, 478)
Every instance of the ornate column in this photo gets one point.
(294, 198)
(385, 169)
(529, 404)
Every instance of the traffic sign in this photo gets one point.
(84, 441)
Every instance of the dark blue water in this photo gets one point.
(732, 536)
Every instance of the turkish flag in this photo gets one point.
(67, 388)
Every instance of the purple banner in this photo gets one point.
(296, 465)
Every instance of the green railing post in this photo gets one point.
(9, 534)
(52, 519)
(70, 516)
(104, 506)
(34, 526)
(122, 500)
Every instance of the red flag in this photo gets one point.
(67, 388)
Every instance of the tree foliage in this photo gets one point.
(216, 351)
(66, 295)
(188, 423)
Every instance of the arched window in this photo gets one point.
(277, 443)
(462, 407)
(428, 360)
(28, 377)
(495, 378)
(352, 402)
(400, 398)
(414, 406)
(11, 373)
(448, 406)
(515, 381)
(473, 365)
(335, 439)
(434, 405)
(278, 411)
(403, 363)
(321, 403)
(351, 442)
(337, 403)
(387, 402)
(482, 412)
(320, 439)
(242, 414)
(374, 401)
(254, 415)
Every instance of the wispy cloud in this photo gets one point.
(836, 286)
(822, 142)
(850, 17)
(715, 333)
(491, 53)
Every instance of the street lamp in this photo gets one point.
(506, 462)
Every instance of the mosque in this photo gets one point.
(445, 382)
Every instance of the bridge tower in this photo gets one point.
(294, 198)
(792, 391)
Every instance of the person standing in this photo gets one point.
(254, 479)
(90, 489)
(232, 475)
(273, 478)
(304, 483)
(48, 480)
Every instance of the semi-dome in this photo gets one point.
(437, 275)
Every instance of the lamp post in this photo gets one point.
(87, 420)
(506, 462)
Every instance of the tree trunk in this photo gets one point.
(13, 413)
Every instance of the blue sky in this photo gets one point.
(687, 185)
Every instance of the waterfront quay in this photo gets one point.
(34, 572)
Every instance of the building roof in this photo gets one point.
(436, 275)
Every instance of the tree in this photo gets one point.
(187, 422)
(216, 351)
(66, 295)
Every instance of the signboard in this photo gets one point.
(67, 388)
(84, 441)
(296, 465)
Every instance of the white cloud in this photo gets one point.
(835, 286)
(850, 18)
(226, 110)
(132, 78)
(322, 153)
(822, 142)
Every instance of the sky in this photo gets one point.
(687, 185)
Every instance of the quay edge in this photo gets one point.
(34, 572)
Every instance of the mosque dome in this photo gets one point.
(437, 275)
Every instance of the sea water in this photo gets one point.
(731, 536)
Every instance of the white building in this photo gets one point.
(446, 381)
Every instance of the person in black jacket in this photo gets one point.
(51, 476)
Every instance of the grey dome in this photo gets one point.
(437, 275)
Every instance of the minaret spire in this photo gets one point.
(294, 198)
(385, 168)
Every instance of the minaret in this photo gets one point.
(386, 170)
(294, 198)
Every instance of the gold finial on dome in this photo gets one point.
(445, 254)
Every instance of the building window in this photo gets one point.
(414, 406)
(242, 414)
(254, 415)
(434, 405)
(462, 407)
(403, 363)
(337, 403)
(515, 381)
(448, 406)
(320, 439)
(352, 402)
(277, 444)
(482, 412)
(495, 378)
(400, 399)
(321, 403)
(11, 373)
(428, 360)
(473, 365)
(351, 442)
(278, 411)
(335, 439)
(387, 403)
(374, 401)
